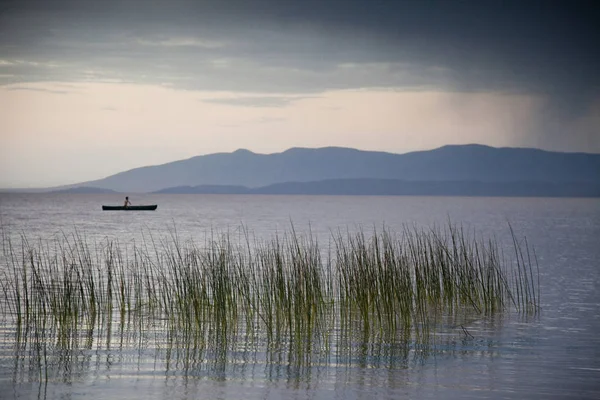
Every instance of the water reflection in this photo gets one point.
(58, 355)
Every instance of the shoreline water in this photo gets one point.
(508, 356)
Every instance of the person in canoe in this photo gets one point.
(127, 202)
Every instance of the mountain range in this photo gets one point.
(452, 169)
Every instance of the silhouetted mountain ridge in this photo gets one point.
(447, 163)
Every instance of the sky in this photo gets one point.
(93, 88)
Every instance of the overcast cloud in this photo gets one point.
(272, 53)
(307, 46)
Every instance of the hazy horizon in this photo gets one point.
(89, 89)
(70, 184)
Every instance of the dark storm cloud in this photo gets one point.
(542, 47)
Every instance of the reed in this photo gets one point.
(289, 290)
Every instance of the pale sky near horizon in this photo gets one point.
(91, 88)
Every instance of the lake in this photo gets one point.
(554, 353)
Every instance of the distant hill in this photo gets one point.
(471, 163)
(206, 189)
(84, 189)
(391, 187)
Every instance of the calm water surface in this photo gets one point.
(555, 354)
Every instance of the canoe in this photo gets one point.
(130, 208)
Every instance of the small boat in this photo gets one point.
(130, 208)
